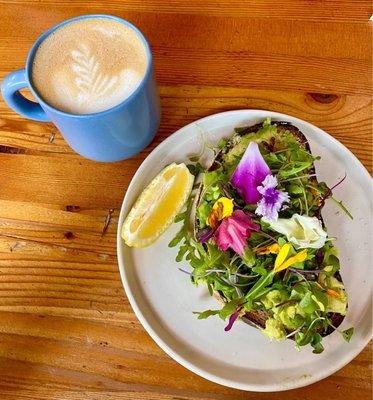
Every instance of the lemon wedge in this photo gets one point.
(157, 206)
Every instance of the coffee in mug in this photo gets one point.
(92, 76)
(89, 65)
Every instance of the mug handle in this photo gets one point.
(10, 90)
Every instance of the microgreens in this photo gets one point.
(284, 265)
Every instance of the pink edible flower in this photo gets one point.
(250, 173)
(234, 231)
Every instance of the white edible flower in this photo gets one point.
(301, 230)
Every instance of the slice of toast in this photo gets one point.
(258, 318)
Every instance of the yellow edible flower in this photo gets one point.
(281, 264)
(222, 208)
(270, 249)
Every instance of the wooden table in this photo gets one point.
(67, 330)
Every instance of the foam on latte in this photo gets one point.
(89, 65)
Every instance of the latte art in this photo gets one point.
(91, 85)
(89, 66)
(90, 81)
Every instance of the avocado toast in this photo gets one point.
(254, 234)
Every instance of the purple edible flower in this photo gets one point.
(250, 173)
(232, 319)
(273, 199)
(204, 235)
(319, 256)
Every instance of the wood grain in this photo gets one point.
(347, 117)
(329, 10)
(67, 330)
(243, 54)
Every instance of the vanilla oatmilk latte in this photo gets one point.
(89, 65)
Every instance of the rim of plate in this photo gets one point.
(247, 113)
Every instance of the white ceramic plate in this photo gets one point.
(163, 297)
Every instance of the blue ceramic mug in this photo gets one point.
(111, 135)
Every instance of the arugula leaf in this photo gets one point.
(347, 334)
(303, 338)
(298, 291)
(182, 251)
(260, 286)
(307, 304)
(230, 307)
(334, 262)
(308, 334)
(195, 169)
(211, 177)
(248, 305)
(221, 286)
(260, 269)
(213, 256)
(317, 348)
(294, 189)
(330, 260)
(206, 314)
(183, 233)
(180, 217)
(319, 295)
(274, 161)
(316, 343)
(210, 288)
(294, 168)
(213, 193)
(194, 158)
(176, 240)
(203, 211)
